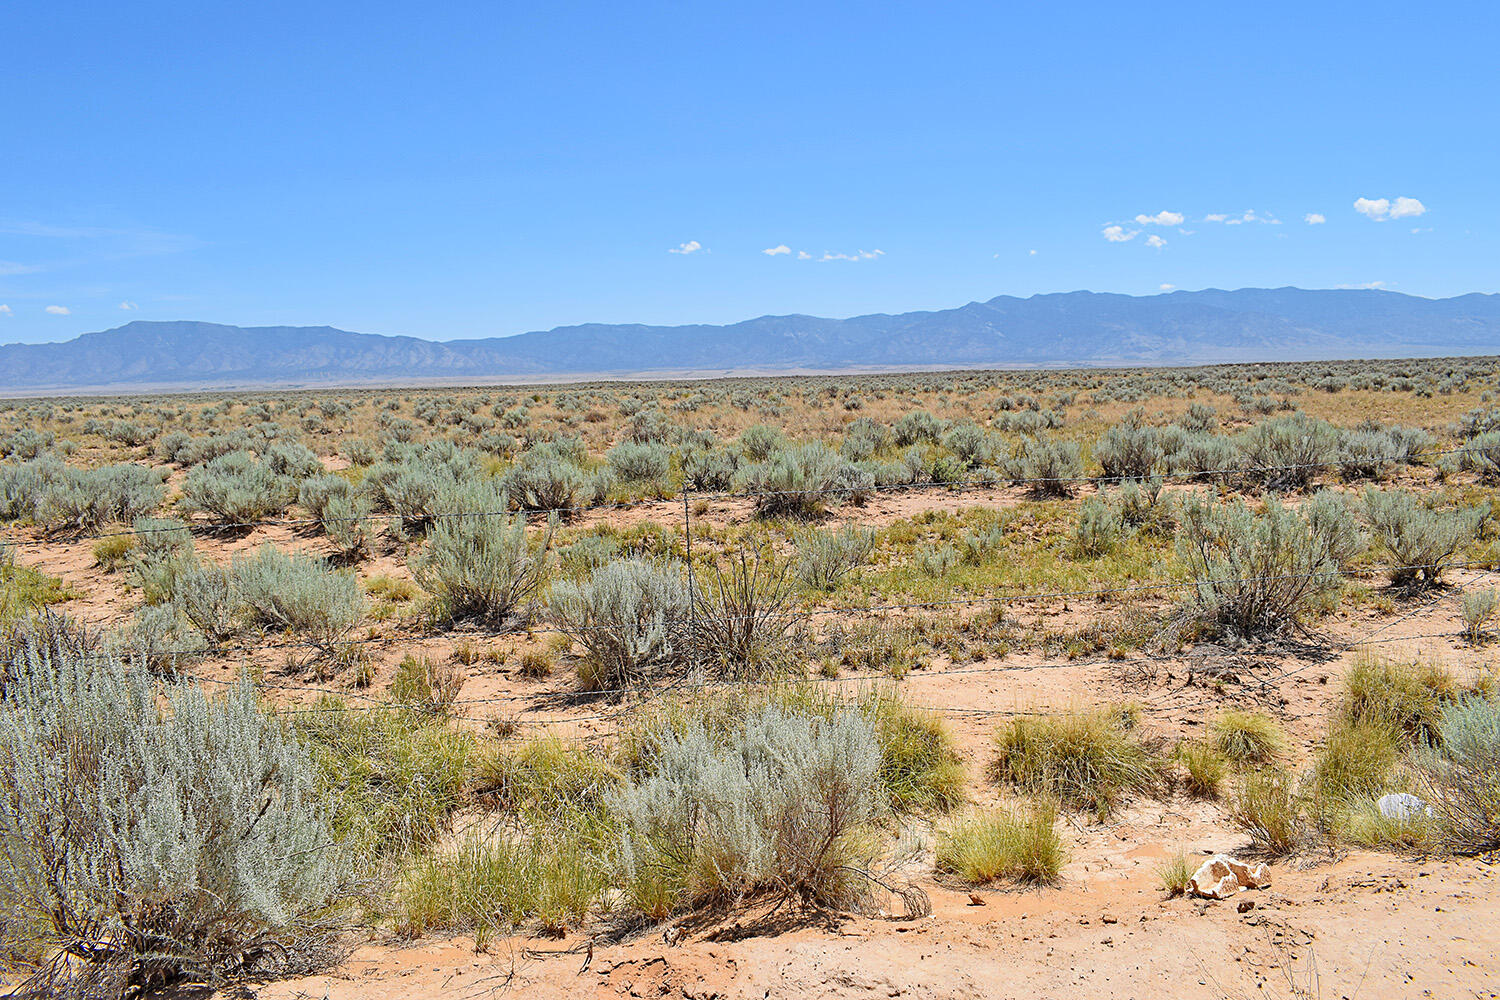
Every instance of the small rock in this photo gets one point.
(1246, 905)
(1110, 918)
(975, 900)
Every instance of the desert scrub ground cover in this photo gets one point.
(513, 678)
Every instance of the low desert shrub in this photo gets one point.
(237, 488)
(1018, 844)
(779, 805)
(1287, 452)
(1464, 775)
(484, 567)
(1477, 608)
(824, 558)
(1418, 540)
(630, 617)
(297, 593)
(1088, 760)
(88, 499)
(159, 846)
(1129, 449)
(1254, 574)
(800, 481)
(1049, 466)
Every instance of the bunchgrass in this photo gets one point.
(1267, 807)
(1205, 767)
(992, 844)
(1247, 739)
(1089, 759)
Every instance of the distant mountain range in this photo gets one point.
(1072, 328)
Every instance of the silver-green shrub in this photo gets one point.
(1051, 467)
(1255, 574)
(824, 558)
(1464, 775)
(484, 567)
(775, 806)
(631, 616)
(189, 843)
(237, 488)
(1287, 452)
(1418, 540)
(1129, 449)
(88, 499)
(295, 593)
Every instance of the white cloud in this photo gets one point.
(1155, 241)
(1031, 253)
(1167, 286)
(128, 306)
(856, 255)
(777, 251)
(1118, 234)
(1162, 218)
(10, 267)
(1407, 208)
(1314, 218)
(5, 310)
(691, 246)
(59, 310)
(1383, 209)
(803, 255)
(1364, 285)
(1239, 220)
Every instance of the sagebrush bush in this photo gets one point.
(1129, 449)
(1088, 760)
(1002, 843)
(191, 843)
(237, 488)
(484, 567)
(1465, 775)
(87, 499)
(800, 481)
(1051, 467)
(1099, 529)
(1287, 452)
(296, 593)
(1418, 540)
(824, 558)
(1254, 574)
(630, 616)
(777, 805)
(1477, 608)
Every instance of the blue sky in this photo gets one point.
(467, 170)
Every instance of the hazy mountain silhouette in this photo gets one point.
(1072, 328)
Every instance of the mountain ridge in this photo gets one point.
(1058, 328)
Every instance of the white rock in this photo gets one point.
(1402, 805)
(1222, 876)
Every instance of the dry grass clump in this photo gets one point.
(1018, 844)
(1268, 808)
(1205, 766)
(1174, 874)
(1088, 759)
(1406, 696)
(1247, 739)
(431, 686)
